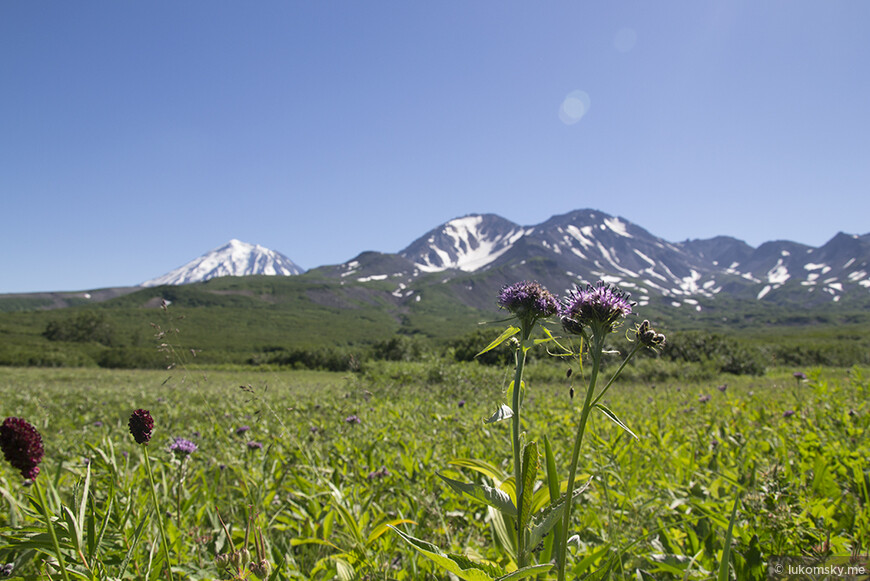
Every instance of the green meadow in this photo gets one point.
(306, 470)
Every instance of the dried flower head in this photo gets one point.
(22, 446)
(529, 301)
(649, 336)
(182, 447)
(600, 308)
(141, 423)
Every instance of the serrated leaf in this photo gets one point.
(616, 420)
(506, 334)
(502, 413)
(488, 495)
(530, 473)
(544, 521)
(459, 565)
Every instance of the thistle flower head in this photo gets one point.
(242, 429)
(253, 445)
(141, 423)
(529, 301)
(354, 419)
(182, 447)
(22, 446)
(600, 308)
(649, 336)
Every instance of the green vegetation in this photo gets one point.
(316, 499)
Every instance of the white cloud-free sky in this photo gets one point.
(135, 136)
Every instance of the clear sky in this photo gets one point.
(136, 136)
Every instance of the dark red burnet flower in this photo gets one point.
(141, 423)
(22, 446)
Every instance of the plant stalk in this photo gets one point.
(159, 516)
(51, 532)
(515, 435)
(597, 347)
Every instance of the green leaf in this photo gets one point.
(502, 413)
(529, 571)
(616, 420)
(553, 487)
(494, 497)
(547, 518)
(530, 473)
(382, 528)
(725, 563)
(485, 468)
(459, 565)
(506, 334)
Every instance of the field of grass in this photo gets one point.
(344, 455)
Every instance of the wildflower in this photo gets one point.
(722, 387)
(252, 445)
(354, 419)
(7, 570)
(182, 447)
(98, 424)
(529, 301)
(599, 307)
(242, 429)
(788, 413)
(22, 446)
(648, 336)
(382, 472)
(704, 398)
(799, 376)
(461, 403)
(141, 423)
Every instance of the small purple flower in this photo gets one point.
(141, 423)
(354, 419)
(722, 387)
(704, 398)
(788, 413)
(22, 446)
(528, 300)
(799, 376)
(98, 424)
(382, 472)
(599, 307)
(252, 445)
(461, 403)
(242, 429)
(182, 447)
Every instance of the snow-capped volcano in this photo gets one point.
(236, 258)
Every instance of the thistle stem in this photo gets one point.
(159, 516)
(597, 347)
(50, 527)
(515, 435)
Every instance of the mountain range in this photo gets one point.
(472, 257)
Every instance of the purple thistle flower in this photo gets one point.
(799, 376)
(98, 424)
(242, 429)
(354, 419)
(182, 447)
(704, 398)
(252, 445)
(599, 307)
(461, 403)
(528, 300)
(722, 387)
(22, 446)
(141, 423)
(788, 413)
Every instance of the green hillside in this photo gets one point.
(318, 321)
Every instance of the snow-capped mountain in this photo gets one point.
(589, 245)
(236, 258)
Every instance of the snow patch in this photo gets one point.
(617, 226)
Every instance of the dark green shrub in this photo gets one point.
(85, 327)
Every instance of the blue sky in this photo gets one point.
(135, 136)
